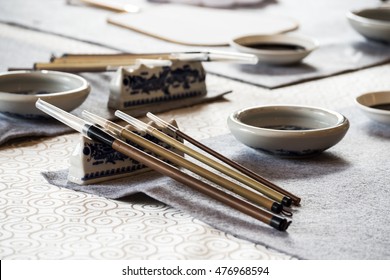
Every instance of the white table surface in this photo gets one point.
(41, 221)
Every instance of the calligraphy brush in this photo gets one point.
(118, 130)
(296, 200)
(97, 134)
(111, 62)
(206, 160)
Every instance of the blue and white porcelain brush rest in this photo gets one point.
(156, 81)
(92, 162)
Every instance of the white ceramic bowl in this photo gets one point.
(287, 130)
(19, 90)
(366, 102)
(270, 48)
(371, 23)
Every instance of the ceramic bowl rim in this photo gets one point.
(367, 108)
(355, 16)
(341, 120)
(308, 49)
(43, 73)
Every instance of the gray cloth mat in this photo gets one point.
(15, 127)
(341, 50)
(345, 195)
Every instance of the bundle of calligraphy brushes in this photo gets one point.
(258, 198)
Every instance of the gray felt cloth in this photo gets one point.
(345, 194)
(341, 48)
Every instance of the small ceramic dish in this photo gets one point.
(371, 23)
(287, 130)
(19, 90)
(276, 49)
(375, 105)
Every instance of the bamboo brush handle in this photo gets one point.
(221, 181)
(296, 200)
(158, 165)
(168, 170)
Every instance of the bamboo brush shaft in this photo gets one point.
(200, 186)
(296, 200)
(245, 193)
(220, 167)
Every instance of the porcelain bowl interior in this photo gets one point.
(280, 49)
(371, 23)
(288, 130)
(375, 105)
(19, 90)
